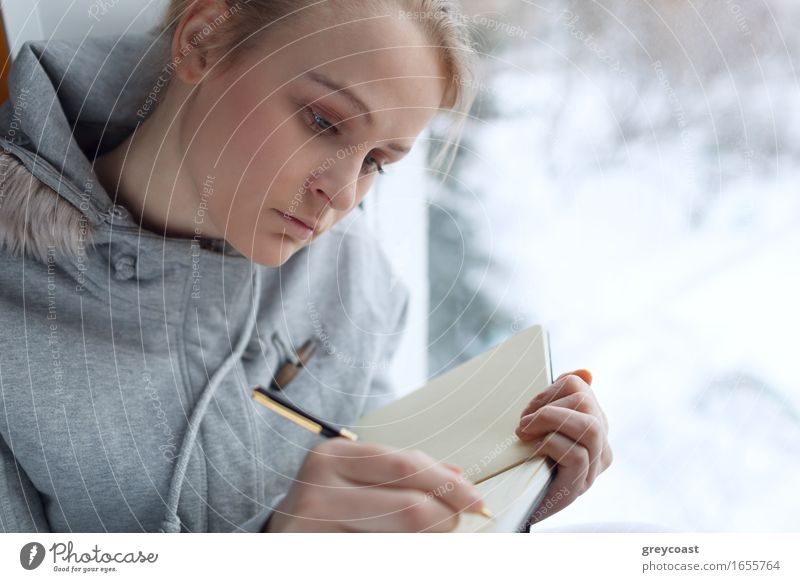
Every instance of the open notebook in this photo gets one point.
(467, 417)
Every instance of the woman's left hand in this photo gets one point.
(568, 425)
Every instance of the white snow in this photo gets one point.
(668, 266)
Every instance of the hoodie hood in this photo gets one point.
(71, 101)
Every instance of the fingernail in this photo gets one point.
(582, 373)
(453, 468)
(484, 511)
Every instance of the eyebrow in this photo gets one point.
(354, 100)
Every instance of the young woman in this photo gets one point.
(178, 212)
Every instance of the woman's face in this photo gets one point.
(300, 127)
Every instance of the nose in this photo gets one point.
(339, 186)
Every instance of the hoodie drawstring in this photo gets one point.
(171, 523)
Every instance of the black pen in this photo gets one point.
(288, 410)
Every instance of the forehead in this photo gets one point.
(383, 58)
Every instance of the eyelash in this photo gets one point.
(317, 126)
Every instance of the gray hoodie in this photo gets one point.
(128, 358)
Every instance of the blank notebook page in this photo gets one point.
(468, 415)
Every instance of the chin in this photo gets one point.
(273, 251)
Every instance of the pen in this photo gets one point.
(288, 410)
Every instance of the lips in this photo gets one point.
(309, 223)
(299, 227)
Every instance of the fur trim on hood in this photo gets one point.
(34, 219)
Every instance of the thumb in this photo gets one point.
(583, 374)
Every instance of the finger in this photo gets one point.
(582, 401)
(585, 430)
(582, 373)
(565, 385)
(572, 459)
(557, 497)
(453, 468)
(573, 402)
(585, 401)
(393, 509)
(412, 470)
(606, 456)
(361, 508)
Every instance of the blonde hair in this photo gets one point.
(441, 20)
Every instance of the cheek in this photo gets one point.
(253, 177)
(281, 166)
(272, 149)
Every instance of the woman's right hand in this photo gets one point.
(352, 486)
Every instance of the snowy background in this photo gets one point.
(629, 178)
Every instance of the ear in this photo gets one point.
(196, 38)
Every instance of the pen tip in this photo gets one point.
(348, 434)
(486, 513)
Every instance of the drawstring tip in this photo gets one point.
(170, 524)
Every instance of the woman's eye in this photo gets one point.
(320, 124)
(372, 164)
